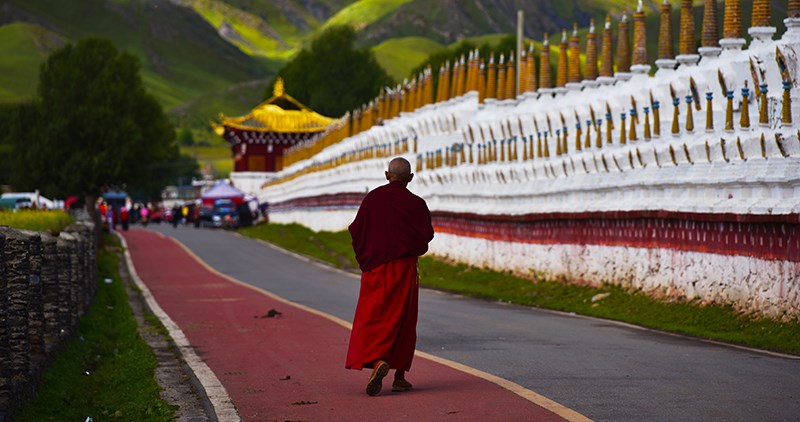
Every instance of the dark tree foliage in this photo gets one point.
(6, 113)
(91, 125)
(185, 136)
(333, 76)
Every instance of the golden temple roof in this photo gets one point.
(281, 114)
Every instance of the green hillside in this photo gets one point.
(194, 53)
(399, 56)
(249, 32)
(182, 56)
(364, 12)
(23, 47)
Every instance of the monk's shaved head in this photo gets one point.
(399, 169)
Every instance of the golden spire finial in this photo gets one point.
(709, 111)
(761, 29)
(545, 69)
(676, 126)
(763, 113)
(462, 76)
(477, 71)
(732, 23)
(623, 46)
(665, 42)
(786, 107)
(591, 55)
(574, 64)
(444, 83)
(511, 77)
(793, 9)
(454, 77)
(501, 78)
(278, 89)
(607, 66)
(656, 116)
(469, 78)
(491, 79)
(531, 70)
(481, 82)
(760, 15)
(689, 114)
(710, 37)
(744, 117)
(561, 69)
(639, 38)
(686, 40)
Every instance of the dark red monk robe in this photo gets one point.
(391, 229)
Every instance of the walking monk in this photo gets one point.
(391, 230)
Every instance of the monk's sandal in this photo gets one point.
(401, 385)
(376, 379)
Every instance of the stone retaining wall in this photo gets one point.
(46, 285)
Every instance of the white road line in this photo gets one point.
(223, 405)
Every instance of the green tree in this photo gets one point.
(91, 125)
(185, 136)
(333, 76)
(6, 113)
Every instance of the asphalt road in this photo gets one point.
(604, 370)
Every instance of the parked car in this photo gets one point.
(14, 204)
(17, 200)
(224, 214)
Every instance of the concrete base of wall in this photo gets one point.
(329, 220)
(764, 287)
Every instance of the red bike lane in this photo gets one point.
(290, 365)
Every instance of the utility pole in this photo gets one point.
(519, 52)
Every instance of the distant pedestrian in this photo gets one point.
(196, 215)
(144, 213)
(124, 216)
(176, 216)
(391, 230)
(110, 217)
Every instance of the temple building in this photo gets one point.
(258, 140)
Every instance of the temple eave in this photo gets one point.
(310, 130)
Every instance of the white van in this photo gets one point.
(34, 199)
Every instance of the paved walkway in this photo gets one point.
(291, 366)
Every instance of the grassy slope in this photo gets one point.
(235, 100)
(249, 25)
(364, 12)
(182, 56)
(217, 156)
(23, 47)
(398, 56)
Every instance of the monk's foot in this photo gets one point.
(376, 379)
(401, 385)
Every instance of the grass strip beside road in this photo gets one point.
(721, 323)
(46, 221)
(106, 370)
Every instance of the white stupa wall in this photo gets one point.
(707, 173)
